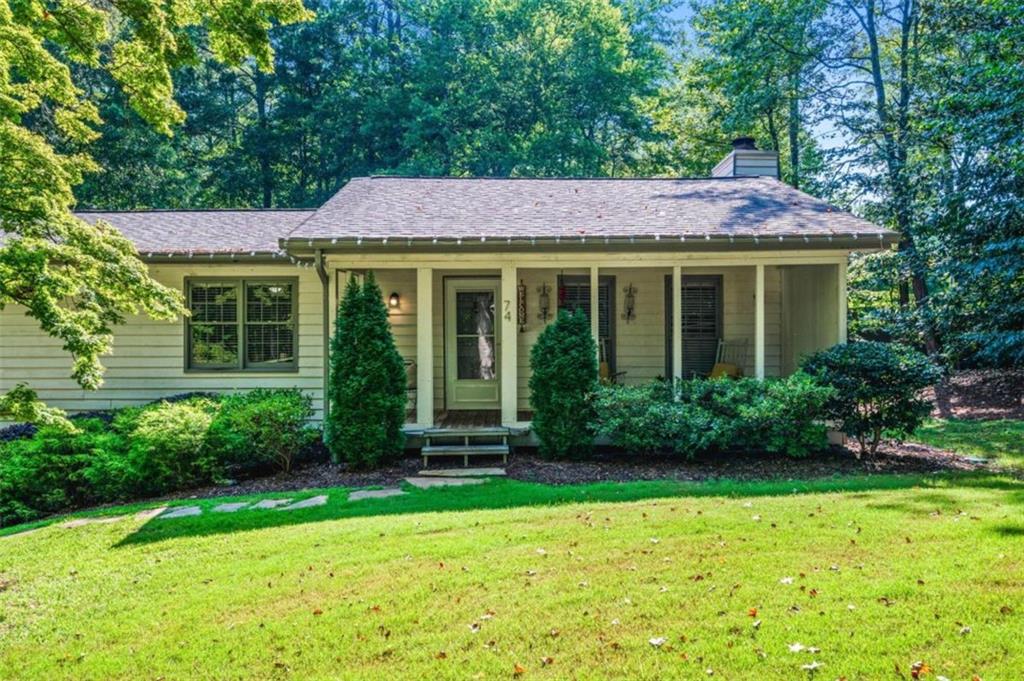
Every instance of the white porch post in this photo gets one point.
(841, 303)
(509, 344)
(677, 321)
(425, 346)
(759, 322)
(595, 313)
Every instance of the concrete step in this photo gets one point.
(496, 431)
(462, 472)
(464, 449)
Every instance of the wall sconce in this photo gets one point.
(394, 300)
(544, 302)
(521, 307)
(629, 303)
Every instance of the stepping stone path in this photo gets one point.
(230, 508)
(375, 493)
(270, 503)
(318, 500)
(180, 512)
(427, 483)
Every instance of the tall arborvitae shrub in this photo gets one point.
(367, 382)
(564, 378)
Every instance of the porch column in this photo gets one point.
(677, 321)
(841, 303)
(595, 313)
(759, 322)
(425, 346)
(509, 345)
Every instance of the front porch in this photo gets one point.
(656, 316)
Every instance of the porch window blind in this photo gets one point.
(574, 294)
(701, 323)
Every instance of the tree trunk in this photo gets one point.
(263, 152)
(794, 128)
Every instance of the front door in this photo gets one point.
(471, 338)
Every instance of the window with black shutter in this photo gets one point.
(701, 321)
(574, 294)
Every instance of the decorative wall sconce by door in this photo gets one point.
(521, 309)
(629, 303)
(394, 300)
(544, 302)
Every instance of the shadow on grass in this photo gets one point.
(503, 493)
(1002, 440)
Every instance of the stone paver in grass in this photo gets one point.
(375, 493)
(318, 500)
(462, 472)
(427, 482)
(79, 522)
(180, 512)
(270, 503)
(230, 507)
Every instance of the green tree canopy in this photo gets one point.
(78, 280)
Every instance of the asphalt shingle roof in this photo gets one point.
(202, 231)
(446, 208)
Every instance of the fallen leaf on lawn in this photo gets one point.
(541, 552)
(755, 518)
(474, 627)
(531, 573)
(555, 633)
(796, 647)
(318, 611)
(886, 601)
(518, 670)
(786, 580)
(964, 631)
(654, 540)
(441, 655)
(812, 666)
(658, 641)
(919, 669)
(1005, 610)
(756, 624)
(752, 612)
(545, 661)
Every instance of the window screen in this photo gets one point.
(241, 325)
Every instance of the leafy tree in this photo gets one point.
(563, 363)
(75, 279)
(876, 389)
(367, 390)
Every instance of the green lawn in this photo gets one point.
(565, 582)
(1000, 441)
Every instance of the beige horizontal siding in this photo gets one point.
(148, 359)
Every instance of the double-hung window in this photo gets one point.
(241, 325)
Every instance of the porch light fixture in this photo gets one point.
(544, 302)
(394, 300)
(629, 303)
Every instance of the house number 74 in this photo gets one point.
(508, 309)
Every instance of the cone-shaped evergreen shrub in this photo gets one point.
(367, 383)
(564, 366)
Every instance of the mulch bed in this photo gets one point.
(980, 394)
(525, 465)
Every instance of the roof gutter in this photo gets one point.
(325, 295)
(855, 240)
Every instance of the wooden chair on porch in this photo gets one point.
(730, 358)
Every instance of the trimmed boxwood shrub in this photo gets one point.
(262, 427)
(153, 449)
(644, 420)
(877, 389)
(778, 416)
(563, 362)
(367, 390)
(168, 446)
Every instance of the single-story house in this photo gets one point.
(672, 273)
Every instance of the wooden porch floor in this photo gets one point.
(482, 418)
